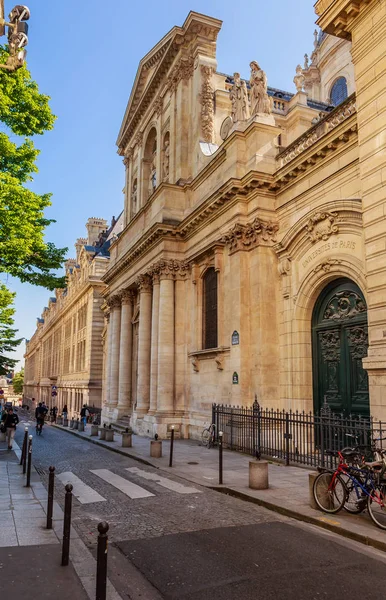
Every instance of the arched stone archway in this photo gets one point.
(339, 343)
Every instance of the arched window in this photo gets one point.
(339, 91)
(210, 309)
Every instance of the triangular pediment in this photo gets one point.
(153, 69)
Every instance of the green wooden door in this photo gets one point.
(340, 341)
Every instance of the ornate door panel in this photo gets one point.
(340, 342)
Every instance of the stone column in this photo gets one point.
(108, 357)
(144, 340)
(166, 341)
(125, 353)
(154, 344)
(115, 321)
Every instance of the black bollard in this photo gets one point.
(50, 501)
(67, 525)
(101, 577)
(171, 447)
(29, 462)
(24, 448)
(220, 457)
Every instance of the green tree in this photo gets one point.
(8, 340)
(18, 382)
(24, 253)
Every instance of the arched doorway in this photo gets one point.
(339, 342)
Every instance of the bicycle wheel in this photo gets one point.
(330, 493)
(206, 437)
(376, 505)
(356, 500)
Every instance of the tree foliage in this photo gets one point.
(8, 340)
(24, 253)
(18, 381)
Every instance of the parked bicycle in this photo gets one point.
(354, 487)
(209, 436)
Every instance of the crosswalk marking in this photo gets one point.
(167, 483)
(84, 493)
(124, 485)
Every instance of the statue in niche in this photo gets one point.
(165, 165)
(239, 99)
(299, 79)
(153, 176)
(260, 103)
(134, 198)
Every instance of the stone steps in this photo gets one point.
(121, 425)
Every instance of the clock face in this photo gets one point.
(226, 126)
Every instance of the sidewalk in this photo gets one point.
(30, 555)
(288, 491)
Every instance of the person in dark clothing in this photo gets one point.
(10, 424)
(40, 414)
(84, 413)
(54, 413)
(65, 411)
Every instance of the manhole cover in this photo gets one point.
(192, 463)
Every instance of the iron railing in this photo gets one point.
(293, 437)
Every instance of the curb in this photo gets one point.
(287, 512)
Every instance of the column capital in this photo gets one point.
(113, 301)
(170, 269)
(144, 283)
(127, 296)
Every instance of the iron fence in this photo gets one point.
(291, 436)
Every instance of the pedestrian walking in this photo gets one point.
(54, 413)
(84, 413)
(65, 411)
(10, 425)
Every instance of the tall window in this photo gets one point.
(339, 91)
(210, 309)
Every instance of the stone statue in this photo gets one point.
(165, 165)
(299, 79)
(134, 197)
(315, 39)
(306, 65)
(153, 176)
(260, 103)
(239, 99)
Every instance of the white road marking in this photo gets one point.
(84, 493)
(166, 483)
(124, 485)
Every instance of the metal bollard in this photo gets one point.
(67, 525)
(24, 448)
(220, 434)
(171, 447)
(50, 501)
(29, 462)
(101, 578)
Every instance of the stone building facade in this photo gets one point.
(252, 256)
(66, 348)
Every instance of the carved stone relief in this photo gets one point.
(327, 264)
(207, 104)
(246, 237)
(322, 225)
(330, 345)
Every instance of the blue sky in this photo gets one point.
(85, 55)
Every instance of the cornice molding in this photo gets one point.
(337, 16)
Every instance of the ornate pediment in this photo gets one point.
(165, 65)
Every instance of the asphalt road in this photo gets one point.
(205, 545)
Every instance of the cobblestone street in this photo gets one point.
(166, 512)
(173, 539)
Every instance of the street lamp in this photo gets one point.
(17, 35)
